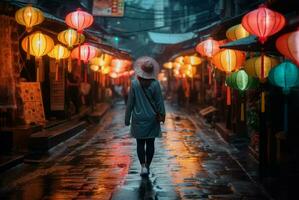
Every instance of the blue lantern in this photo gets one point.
(286, 76)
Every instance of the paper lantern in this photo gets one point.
(120, 65)
(103, 60)
(168, 65)
(193, 60)
(189, 70)
(179, 60)
(263, 22)
(87, 52)
(208, 48)
(29, 17)
(228, 60)
(240, 80)
(284, 75)
(236, 32)
(253, 66)
(105, 70)
(94, 67)
(70, 37)
(37, 44)
(79, 20)
(288, 45)
(59, 52)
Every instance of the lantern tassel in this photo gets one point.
(57, 71)
(69, 64)
(242, 112)
(28, 49)
(210, 75)
(262, 65)
(263, 102)
(85, 74)
(285, 115)
(228, 96)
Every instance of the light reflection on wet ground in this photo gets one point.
(107, 167)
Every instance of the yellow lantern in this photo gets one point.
(253, 66)
(168, 65)
(70, 38)
(29, 17)
(236, 32)
(37, 44)
(189, 70)
(193, 60)
(105, 70)
(103, 60)
(179, 59)
(59, 52)
(94, 68)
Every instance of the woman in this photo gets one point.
(146, 106)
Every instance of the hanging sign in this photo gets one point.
(109, 8)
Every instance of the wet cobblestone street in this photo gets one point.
(189, 163)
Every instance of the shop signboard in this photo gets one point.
(108, 8)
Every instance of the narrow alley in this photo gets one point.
(191, 162)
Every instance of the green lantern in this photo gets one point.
(240, 80)
(285, 75)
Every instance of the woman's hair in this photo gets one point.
(145, 82)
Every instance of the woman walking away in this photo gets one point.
(146, 106)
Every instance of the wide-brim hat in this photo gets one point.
(146, 67)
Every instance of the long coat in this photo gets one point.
(140, 112)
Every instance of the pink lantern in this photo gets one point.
(79, 20)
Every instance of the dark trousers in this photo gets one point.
(145, 150)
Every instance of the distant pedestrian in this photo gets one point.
(146, 106)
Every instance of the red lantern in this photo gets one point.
(208, 47)
(87, 52)
(263, 22)
(79, 20)
(287, 45)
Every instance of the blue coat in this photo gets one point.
(140, 112)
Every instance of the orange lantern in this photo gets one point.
(228, 60)
(208, 48)
(105, 70)
(70, 37)
(29, 17)
(263, 22)
(38, 45)
(287, 45)
(79, 20)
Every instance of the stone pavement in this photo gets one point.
(190, 163)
